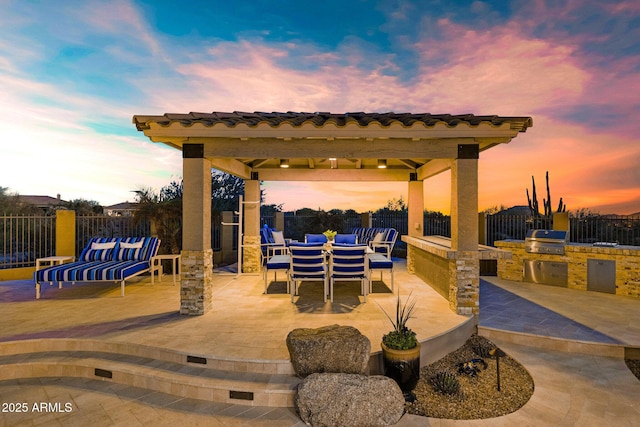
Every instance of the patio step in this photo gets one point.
(189, 378)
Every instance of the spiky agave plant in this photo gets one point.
(401, 337)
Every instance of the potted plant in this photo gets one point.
(330, 234)
(401, 350)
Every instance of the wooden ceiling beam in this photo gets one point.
(433, 167)
(258, 162)
(231, 166)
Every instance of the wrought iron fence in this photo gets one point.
(25, 238)
(624, 230)
(88, 226)
(437, 224)
(296, 226)
(391, 219)
(513, 227)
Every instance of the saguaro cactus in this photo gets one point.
(533, 200)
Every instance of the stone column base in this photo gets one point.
(411, 260)
(464, 283)
(196, 283)
(251, 254)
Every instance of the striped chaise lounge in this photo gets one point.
(380, 239)
(104, 259)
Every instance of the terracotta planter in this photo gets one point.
(403, 366)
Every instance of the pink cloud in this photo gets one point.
(496, 72)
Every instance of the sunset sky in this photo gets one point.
(73, 73)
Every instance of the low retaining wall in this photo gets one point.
(434, 348)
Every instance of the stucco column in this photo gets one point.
(278, 220)
(65, 232)
(366, 220)
(416, 208)
(196, 282)
(464, 205)
(251, 237)
(561, 221)
(464, 280)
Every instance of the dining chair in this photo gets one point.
(349, 262)
(351, 239)
(384, 241)
(378, 261)
(308, 263)
(315, 238)
(276, 263)
(279, 244)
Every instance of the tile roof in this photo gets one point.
(124, 206)
(319, 119)
(41, 200)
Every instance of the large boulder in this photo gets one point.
(349, 400)
(331, 348)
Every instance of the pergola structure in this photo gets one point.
(350, 147)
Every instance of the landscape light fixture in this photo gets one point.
(497, 353)
(382, 164)
(284, 163)
(334, 162)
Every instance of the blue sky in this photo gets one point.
(73, 73)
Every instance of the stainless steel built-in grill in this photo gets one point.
(545, 242)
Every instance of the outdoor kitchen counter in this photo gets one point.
(441, 246)
(454, 274)
(622, 261)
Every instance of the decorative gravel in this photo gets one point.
(478, 397)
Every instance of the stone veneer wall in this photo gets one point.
(431, 268)
(464, 293)
(456, 276)
(251, 254)
(196, 283)
(627, 261)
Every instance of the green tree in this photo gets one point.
(393, 205)
(11, 204)
(5, 200)
(166, 216)
(226, 190)
(84, 207)
(269, 210)
(173, 191)
(493, 210)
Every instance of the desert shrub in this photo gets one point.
(445, 382)
(481, 346)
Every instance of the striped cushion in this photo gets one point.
(379, 261)
(348, 260)
(102, 264)
(367, 235)
(307, 260)
(130, 249)
(81, 271)
(93, 252)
